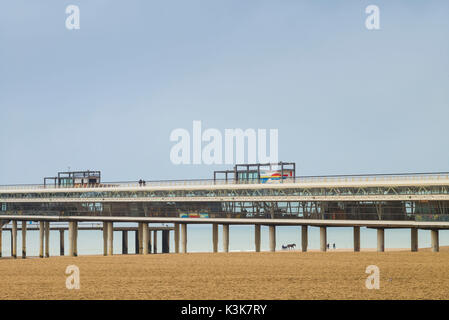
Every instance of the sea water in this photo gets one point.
(241, 238)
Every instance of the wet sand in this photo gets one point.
(238, 275)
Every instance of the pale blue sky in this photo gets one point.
(345, 99)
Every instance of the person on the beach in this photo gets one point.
(334, 245)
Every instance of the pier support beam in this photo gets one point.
(215, 237)
(105, 238)
(71, 239)
(24, 239)
(414, 239)
(304, 238)
(110, 238)
(41, 238)
(124, 242)
(225, 237)
(257, 237)
(272, 237)
(141, 229)
(323, 239)
(380, 240)
(1, 244)
(75, 239)
(136, 242)
(146, 238)
(14, 239)
(176, 237)
(184, 237)
(356, 239)
(47, 239)
(61, 242)
(434, 237)
(165, 241)
(154, 241)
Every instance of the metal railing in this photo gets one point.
(35, 224)
(415, 177)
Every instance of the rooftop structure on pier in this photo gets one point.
(74, 179)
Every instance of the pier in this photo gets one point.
(246, 196)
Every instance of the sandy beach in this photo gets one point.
(239, 275)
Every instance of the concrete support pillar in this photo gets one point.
(61, 242)
(14, 239)
(41, 238)
(24, 239)
(323, 239)
(110, 238)
(141, 229)
(124, 242)
(11, 243)
(272, 237)
(226, 238)
(105, 238)
(145, 238)
(257, 237)
(215, 237)
(176, 237)
(414, 239)
(380, 240)
(75, 238)
(165, 241)
(356, 239)
(304, 238)
(155, 241)
(184, 237)
(47, 239)
(137, 241)
(70, 236)
(1, 244)
(434, 237)
(71, 239)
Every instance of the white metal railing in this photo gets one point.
(209, 182)
(56, 224)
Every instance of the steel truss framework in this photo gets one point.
(362, 210)
(353, 210)
(391, 201)
(271, 193)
